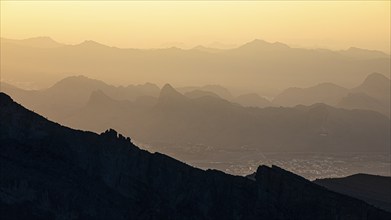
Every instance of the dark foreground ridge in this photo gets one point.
(373, 189)
(52, 172)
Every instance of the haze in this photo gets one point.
(214, 84)
(195, 110)
(126, 24)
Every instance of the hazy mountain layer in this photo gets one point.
(177, 119)
(258, 65)
(50, 171)
(372, 94)
(205, 119)
(70, 94)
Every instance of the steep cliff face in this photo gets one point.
(53, 172)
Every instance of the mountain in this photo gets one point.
(364, 101)
(200, 93)
(220, 91)
(207, 49)
(173, 119)
(358, 53)
(71, 93)
(37, 42)
(372, 94)
(253, 100)
(376, 85)
(375, 190)
(259, 66)
(220, 124)
(50, 171)
(261, 45)
(327, 93)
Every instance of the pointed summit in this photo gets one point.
(168, 90)
(168, 93)
(91, 44)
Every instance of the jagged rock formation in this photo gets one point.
(50, 172)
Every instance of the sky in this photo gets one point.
(155, 24)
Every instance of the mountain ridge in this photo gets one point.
(64, 172)
(256, 68)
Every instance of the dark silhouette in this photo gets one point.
(49, 171)
(375, 190)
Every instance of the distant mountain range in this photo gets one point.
(171, 118)
(375, 190)
(372, 94)
(71, 93)
(49, 171)
(258, 65)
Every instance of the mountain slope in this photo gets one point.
(179, 120)
(37, 42)
(327, 93)
(376, 85)
(375, 190)
(372, 94)
(364, 101)
(71, 93)
(50, 171)
(253, 100)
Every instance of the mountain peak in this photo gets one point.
(376, 77)
(169, 93)
(167, 89)
(71, 80)
(261, 44)
(92, 44)
(5, 99)
(376, 85)
(80, 81)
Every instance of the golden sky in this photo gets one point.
(333, 25)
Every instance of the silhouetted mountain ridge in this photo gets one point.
(373, 189)
(50, 171)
